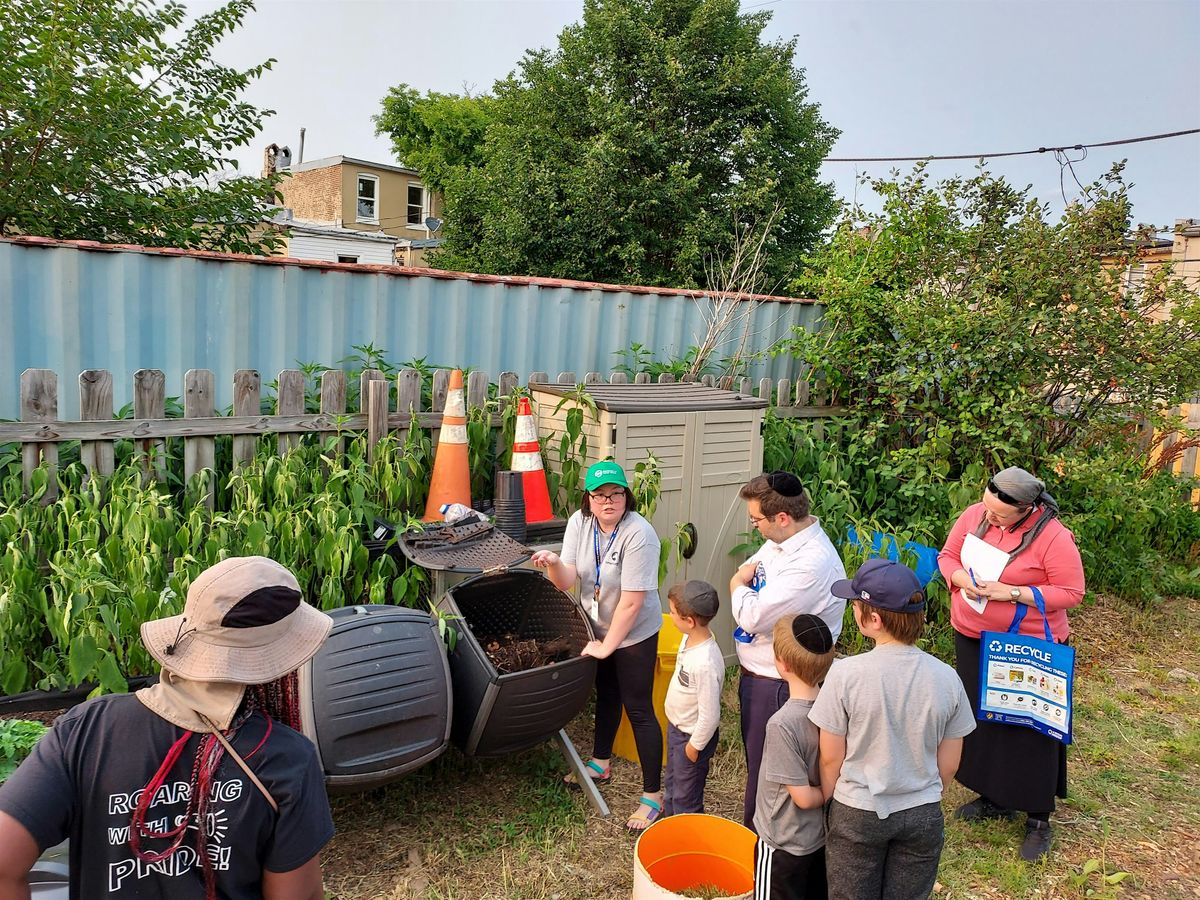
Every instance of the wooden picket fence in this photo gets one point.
(40, 430)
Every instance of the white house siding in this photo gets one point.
(330, 247)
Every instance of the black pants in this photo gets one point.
(758, 700)
(626, 679)
(991, 752)
(779, 875)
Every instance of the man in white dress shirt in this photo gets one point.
(792, 573)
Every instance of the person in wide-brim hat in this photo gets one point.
(204, 778)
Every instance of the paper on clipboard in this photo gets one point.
(985, 562)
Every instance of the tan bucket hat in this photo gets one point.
(245, 621)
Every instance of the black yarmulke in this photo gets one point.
(812, 633)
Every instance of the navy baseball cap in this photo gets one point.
(882, 583)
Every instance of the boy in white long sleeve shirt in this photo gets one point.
(791, 574)
(693, 704)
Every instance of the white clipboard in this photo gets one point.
(984, 562)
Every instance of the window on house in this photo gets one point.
(416, 204)
(368, 200)
(349, 259)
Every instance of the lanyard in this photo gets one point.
(600, 556)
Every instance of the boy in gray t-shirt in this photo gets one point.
(790, 855)
(892, 722)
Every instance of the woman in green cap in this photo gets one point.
(611, 552)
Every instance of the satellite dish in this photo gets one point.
(433, 223)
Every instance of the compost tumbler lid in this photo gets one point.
(472, 548)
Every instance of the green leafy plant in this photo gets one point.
(571, 449)
(1095, 879)
(17, 739)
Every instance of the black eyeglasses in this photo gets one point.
(1005, 497)
(785, 484)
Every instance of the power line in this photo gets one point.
(1136, 140)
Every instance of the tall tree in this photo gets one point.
(633, 152)
(115, 128)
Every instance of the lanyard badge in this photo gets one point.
(595, 611)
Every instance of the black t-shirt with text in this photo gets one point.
(84, 778)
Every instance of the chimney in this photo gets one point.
(269, 160)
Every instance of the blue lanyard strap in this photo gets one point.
(1019, 615)
(596, 549)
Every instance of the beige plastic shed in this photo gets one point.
(708, 443)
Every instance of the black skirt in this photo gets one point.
(1013, 766)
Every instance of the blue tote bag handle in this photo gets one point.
(1019, 614)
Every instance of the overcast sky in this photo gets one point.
(897, 77)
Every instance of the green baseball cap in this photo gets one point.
(604, 472)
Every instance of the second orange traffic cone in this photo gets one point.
(451, 481)
(527, 459)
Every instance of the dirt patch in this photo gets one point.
(509, 653)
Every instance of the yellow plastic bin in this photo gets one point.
(678, 855)
(668, 649)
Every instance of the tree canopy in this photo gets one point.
(635, 151)
(965, 327)
(114, 127)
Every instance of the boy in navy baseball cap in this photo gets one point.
(892, 722)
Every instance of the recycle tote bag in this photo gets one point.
(1025, 680)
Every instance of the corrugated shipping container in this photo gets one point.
(70, 306)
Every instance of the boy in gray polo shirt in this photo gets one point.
(892, 722)
(789, 859)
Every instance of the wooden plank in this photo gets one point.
(290, 402)
(377, 415)
(408, 400)
(641, 378)
(39, 403)
(618, 378)
(96, 404)
(199, 453)
(364, 387)
(593, 378)
(333, 404)
(708, 381)
(566, 378)
(783, 392)
(803, 387)
(538, 378)
(507, 383)
(157, 429)
(820, 391)
(441, 387)
(247, 401)
(764, 389)
(150, 402)
(743, 386)
(666, 378)
(477, 389)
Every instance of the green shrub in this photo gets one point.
(17, 739)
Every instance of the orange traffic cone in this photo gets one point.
(527, 459)
(451, 481)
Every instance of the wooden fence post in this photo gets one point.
(408, 400)
(247, 401)
(441, 387)
(290, 402)
(150, 402)
(96, 405)
(199, 453)
(333, 404)
(377, 414)
(39, 403)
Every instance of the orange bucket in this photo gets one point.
(681, 853)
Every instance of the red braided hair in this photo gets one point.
(276, 700)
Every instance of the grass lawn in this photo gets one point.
(475, 829)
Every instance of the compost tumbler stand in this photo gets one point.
(565, 744)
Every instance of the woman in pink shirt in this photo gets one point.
(1013, 769)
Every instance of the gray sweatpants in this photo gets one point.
(870, 858)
